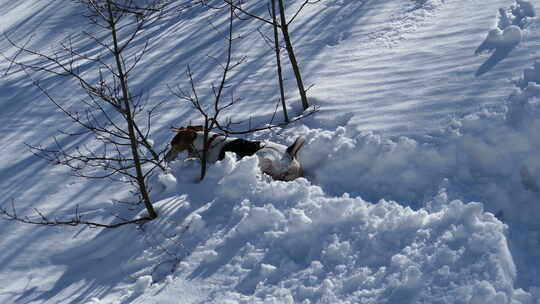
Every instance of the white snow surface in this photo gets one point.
(421, 165)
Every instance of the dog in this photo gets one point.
(276, 160)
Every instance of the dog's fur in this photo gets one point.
(240, 147)
(276, 160)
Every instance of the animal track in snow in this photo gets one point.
(405, 18)
(409, 19)
(337, 38)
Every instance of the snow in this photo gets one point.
(421, 167)
(291, 248)
(497, 39)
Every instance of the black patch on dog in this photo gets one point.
(240, 147)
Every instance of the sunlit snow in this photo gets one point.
(422, 171)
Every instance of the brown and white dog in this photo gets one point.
(278, 161)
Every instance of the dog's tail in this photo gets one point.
(293, 149)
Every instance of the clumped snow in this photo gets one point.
(508, 33)
(497, 39)
(292, 243)
(398, 250)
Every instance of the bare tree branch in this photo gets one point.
(76, 220)
(114, 116)
(306, 2)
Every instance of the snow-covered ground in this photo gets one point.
(421, 164)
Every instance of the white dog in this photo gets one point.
(278, 161)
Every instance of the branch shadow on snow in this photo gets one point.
(329, 26)
(116, 251)
(113, 250)
(72, 272)
(96, 264)
(82, 279)
(189, 48)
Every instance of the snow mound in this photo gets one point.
(497, 39)
(508, 33)
(517, 14)
(289, 242)
(531, 76)
(316, 240)
(487, 156)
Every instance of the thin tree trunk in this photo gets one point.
(206, 147)
(278, 62)
(129, 118)
(209, 123)
(292, 57)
